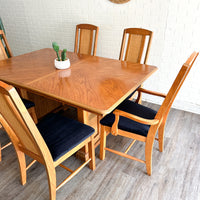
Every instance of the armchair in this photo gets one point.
(135, 121)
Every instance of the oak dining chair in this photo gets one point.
(135, 48)
(135, 121)
(133, 45)
(3, 29)
(86, 39)
(3, 46)
(28, 104)
(50, 142)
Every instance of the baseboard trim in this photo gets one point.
(180, 105)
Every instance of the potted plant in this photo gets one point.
(60, 62)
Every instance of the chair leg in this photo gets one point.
(22, 165)
(139, 98)
(92, 153)
(102, 143)
(51, 174)
(161, 132)
(148, 156)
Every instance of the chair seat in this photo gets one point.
(62, 134)
(128, 124)
(28, 104)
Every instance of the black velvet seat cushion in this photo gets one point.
(62, 134)
(128, 124)
(28, 104)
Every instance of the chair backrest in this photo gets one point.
(178, 82)
(133, 49)
(86, 39)
(19, 125)
(3, 46)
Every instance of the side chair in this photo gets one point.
(3, 46)
(135, 48)
(135, 121)
(28, 104)
(86, 39)
(50, 142)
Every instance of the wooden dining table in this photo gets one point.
(91, 84)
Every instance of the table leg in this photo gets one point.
(93, 120)
(82, 115)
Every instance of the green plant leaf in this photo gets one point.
(56, 48)
(63, 54)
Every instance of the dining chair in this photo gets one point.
(29, 104)
(133, 45)
(86, 39)
(3, 46)
(135, 121)
(50, 142)
(135, 48)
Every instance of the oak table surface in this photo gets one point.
(92, 83)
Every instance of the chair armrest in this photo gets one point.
(151, 92)
(136, 118)
(117, 113)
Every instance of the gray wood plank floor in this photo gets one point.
(175, 174)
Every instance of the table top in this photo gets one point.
(93, 83)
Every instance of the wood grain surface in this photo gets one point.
(93, 83)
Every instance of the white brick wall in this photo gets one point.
(34, 24)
